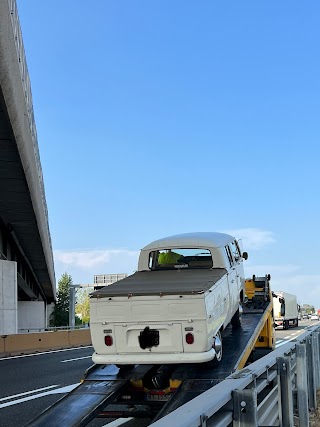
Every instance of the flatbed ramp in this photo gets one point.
(101, 386)
(109, 391)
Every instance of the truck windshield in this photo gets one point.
(174, 258)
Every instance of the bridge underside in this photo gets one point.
(19, 233)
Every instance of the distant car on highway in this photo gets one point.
(305, 316)
(314, 317)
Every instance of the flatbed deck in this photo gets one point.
(103, 389)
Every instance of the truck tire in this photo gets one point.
(235, 321)
(286, 324)
(218, 348)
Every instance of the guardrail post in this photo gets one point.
(285, 390)
(245, 408)
(302, 385)
(312, 393)
(316, 363)
(319, 354)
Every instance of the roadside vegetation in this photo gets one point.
(60, 313)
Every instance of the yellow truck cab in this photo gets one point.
(173, 309)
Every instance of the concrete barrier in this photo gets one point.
(11, 345)
(2, 344)
(79, 337)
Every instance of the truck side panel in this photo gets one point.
(291, 310)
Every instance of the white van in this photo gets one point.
(173, 309)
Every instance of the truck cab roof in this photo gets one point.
(192, 240)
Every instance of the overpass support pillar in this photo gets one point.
(8, 298)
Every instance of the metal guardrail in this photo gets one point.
(26, 84)
(108, 279)
(276, 390)
(52, 329)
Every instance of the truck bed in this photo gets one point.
(169, 282)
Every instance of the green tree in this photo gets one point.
(83, 305)
(60, 313)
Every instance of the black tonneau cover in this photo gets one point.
(169, 282)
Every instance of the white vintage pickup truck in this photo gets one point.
(173, 309)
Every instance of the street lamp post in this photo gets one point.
(72, 305)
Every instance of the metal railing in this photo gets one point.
(276, 390)
(108, 279)
(52, 329)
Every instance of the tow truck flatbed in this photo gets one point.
(101, 386)
(108, 391)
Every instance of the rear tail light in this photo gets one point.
(189, 338)
(108, 340)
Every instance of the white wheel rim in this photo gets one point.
(218, 346)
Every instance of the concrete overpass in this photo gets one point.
(27, 279)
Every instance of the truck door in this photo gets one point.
(238, 264)
(232, 281)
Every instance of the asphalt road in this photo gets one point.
(283, 336)
(31, 383)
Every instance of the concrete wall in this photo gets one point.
(31, 315)
(8, 298)
(11, 345)
(50, 308)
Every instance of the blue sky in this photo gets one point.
(162, 117)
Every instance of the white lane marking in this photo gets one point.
(285, 342)
(282, 343)
(65, 389)
(27, 392)
(78, 358)
(118, 422)
(45, 352)
(287, 337)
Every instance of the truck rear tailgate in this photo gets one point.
(127, 338)
(125, 318)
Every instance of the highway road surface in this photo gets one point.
(31, 383)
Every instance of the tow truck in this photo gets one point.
(153, 391)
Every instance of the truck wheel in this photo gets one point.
(217, 345)
(285, 324)
(235, 321)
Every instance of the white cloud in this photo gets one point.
(83, 265)
(253, 238)
(89, 259)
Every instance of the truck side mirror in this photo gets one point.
(283, 310)
(245, 255)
